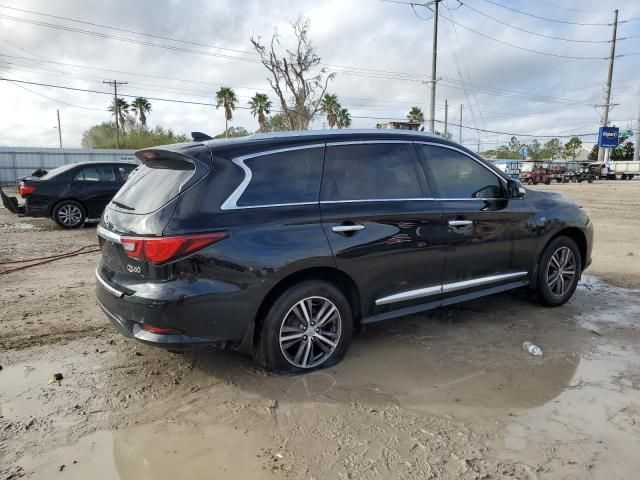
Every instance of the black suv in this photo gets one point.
(71, 193)
(280, 244)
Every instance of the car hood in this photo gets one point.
(550, 199)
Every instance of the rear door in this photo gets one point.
(383, 226)
(489, 237)
(94, 186)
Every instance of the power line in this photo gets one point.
(55, 99)
(12, 80)
(549, 4)
(552, 37)
(531, 50)
(546, 18)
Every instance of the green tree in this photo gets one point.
(593, 154)
(552, 149)
(449, 136)
(103, 136)
(233, 132)
(141, 107)
(330, 106)
(343, 119)
(226, 98)
(535, 150)
(623, 152)
(119, 109)
(276, 123)
(504, 153)
(260, 107)
(515, 146)
(571, 148)
(415, 115)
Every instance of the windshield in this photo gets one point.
(148, 189)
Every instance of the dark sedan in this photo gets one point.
(281, 244)
(70, 194)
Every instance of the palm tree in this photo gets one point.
(141, 107)
(119, 108)
(343, 119)
(260, 106)
(226, 98)
(330, 106)
(416, 115)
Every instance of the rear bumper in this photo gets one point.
(213, 317)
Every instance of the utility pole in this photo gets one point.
(115, 84)
(460, 137)
(434, 56)
(59, 130)
(636, 150)
(446, 117)
(607, 95)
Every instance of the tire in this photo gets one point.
(69, 214)
(554, 294)
(286, 314)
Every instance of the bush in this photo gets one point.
(104, 136)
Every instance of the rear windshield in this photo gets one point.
(58, 170)
(148, 189)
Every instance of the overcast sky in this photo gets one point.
(505, 89)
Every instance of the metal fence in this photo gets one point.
(16, 162)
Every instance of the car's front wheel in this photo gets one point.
(309, 326)
(559, 271)
(69, 214)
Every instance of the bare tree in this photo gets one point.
(298, 88)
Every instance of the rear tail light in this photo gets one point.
(165, 249)
(160, 330)
(26, 189)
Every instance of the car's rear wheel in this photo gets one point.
(69, 214)
(559, 271)
(308, 327)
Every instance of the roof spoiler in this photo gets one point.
(200, 137)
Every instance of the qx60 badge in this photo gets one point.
(134, 268)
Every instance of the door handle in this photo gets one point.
(459, 223)
(347, 228)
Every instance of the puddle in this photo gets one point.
(594, 422)
(157, 452)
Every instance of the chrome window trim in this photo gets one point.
(447, 287)
(380, 200)
(108, 287)
(231, 203)
(108, 235)
(365, 142)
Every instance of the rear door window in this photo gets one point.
(283, 178)
(377, 171)
(97, 173)
(458, 176)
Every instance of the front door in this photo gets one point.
(383, 227)
(489, 236)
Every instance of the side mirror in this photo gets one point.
(516, 189)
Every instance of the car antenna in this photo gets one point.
(200, 137)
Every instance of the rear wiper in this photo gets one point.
(122, 205)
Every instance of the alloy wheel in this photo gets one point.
(70, 215)
(310, 332)
(561, 272)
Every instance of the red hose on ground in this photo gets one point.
(49, 259)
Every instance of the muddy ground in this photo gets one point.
(449, 394)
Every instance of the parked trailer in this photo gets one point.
(616, 170)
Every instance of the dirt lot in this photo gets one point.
(449, 394)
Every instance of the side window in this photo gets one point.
(98, 173)
(457, 176)
(369, 172)
(284, 177)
